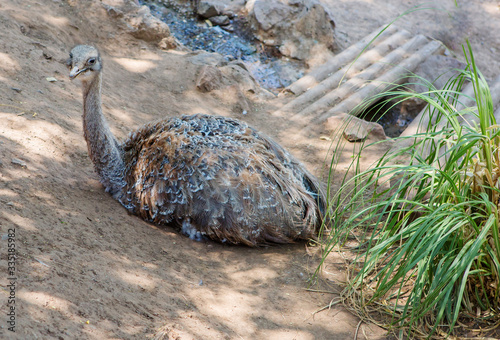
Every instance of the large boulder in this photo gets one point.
(296, 27)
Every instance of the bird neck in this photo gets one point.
(103, 148)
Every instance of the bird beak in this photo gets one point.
(75, 71)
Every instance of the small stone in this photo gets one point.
(143, 25)
(18, 162)
(169, 43)
(220, 20)
(230, 14)
(228, 28)
(208, 9)
(18, 90)
(354, 129)
(51, 79)
(10, 204)
(113, 12)
(355, 136)
(210, 79)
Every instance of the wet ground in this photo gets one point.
(234, 41)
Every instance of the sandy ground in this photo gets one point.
(86, 269)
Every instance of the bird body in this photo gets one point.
(210, 176)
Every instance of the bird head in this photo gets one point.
(84, 62)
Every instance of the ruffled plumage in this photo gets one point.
(211, 177)
(221, 178)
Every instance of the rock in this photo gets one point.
(210, 79)
(217, 76)
(354, 129)
(138, 21)
(19, 162)
(170, 43)
(113, 11)
(269, 14)
(229, 28)
(208, 9)
(47, 56)
(295, 27)
(143, 25)
(220, 20)
(237, 73)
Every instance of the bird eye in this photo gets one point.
(91, 61)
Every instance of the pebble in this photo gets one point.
(51, 79)
(18, 162)
(18, 90)
(220, 20)
(228, 28)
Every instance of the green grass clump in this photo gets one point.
(427, 218)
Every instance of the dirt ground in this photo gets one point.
(87, 270)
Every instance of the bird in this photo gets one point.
(209, 177)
